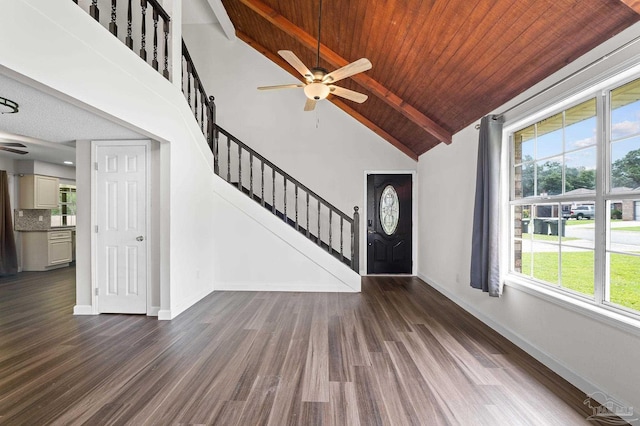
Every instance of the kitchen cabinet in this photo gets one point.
(44, 250)
(38, 192)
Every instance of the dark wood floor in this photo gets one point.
(397, 354)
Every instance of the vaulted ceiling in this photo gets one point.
(438, 65)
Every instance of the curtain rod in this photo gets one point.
(569, 77)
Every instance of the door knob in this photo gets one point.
(140, 238)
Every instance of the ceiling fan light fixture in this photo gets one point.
(316, 91)
(7, 106)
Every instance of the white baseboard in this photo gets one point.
(153, 311)
(296, 287)
(83, 310)
(550, 362)
(164, 315)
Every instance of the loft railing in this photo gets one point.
(140, 25)
(276, 190)
(287, 198)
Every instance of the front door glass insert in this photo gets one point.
(389, 210)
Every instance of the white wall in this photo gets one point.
(190, 216)
(590, 353)
(326, 150)
(125, 90)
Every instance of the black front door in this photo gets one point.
(389, 233)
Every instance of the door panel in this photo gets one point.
(389, 227)
(121, 214)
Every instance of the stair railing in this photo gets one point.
(197, 98)
(121, 13)
(276, 190)
(282, 196)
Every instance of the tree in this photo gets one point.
(625, 172)
(579, 177)
(550, 178)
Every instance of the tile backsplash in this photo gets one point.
(30, 220)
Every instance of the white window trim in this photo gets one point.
(597, 310)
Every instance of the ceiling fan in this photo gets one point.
(318, 81)
(9, 147)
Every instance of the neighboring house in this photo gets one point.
(205, 236)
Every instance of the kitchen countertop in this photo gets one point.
(57, 228)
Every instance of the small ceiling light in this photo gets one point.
(7, 106)
(316, 91)
(68, 162)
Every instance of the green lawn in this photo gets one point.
(629, 228)
(574, 222)
(540, 237)
(577, 274)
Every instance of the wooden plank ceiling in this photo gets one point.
(438, 65)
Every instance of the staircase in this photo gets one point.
(324, 225)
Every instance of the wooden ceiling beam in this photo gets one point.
(633, 4)
(342, 105)
(337, 61)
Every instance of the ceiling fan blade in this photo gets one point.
(353, 68)
(15, 151)
(15, 144)
(295, 62)
(281, 86)
(348, 94)
(310, 105)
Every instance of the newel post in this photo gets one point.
(355, 241)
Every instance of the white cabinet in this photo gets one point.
(38, 192)
(46, 250)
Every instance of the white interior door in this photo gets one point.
(121, 252)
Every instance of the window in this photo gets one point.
(65, 214)
(575, 176)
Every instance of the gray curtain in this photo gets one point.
(8, 254)
(485, 271)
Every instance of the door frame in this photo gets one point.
(94, 217)
(414, 220)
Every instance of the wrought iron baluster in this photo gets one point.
(202, 96)
(240, 167)
(341, 238)
(94, 11)
(251, 174)
(154, 62)
(308, 231)
(189, 71)
(330, 215)
(284, 216)
(165, 72)
(297, 224)
(262, 182)
(113, 27)
(129, 40)
(273, 190)
(195, 97)
(216, 160)
(143, 38)
(319, 239)
(228, 159)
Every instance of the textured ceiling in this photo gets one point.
(49, 126)
(438, 65)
